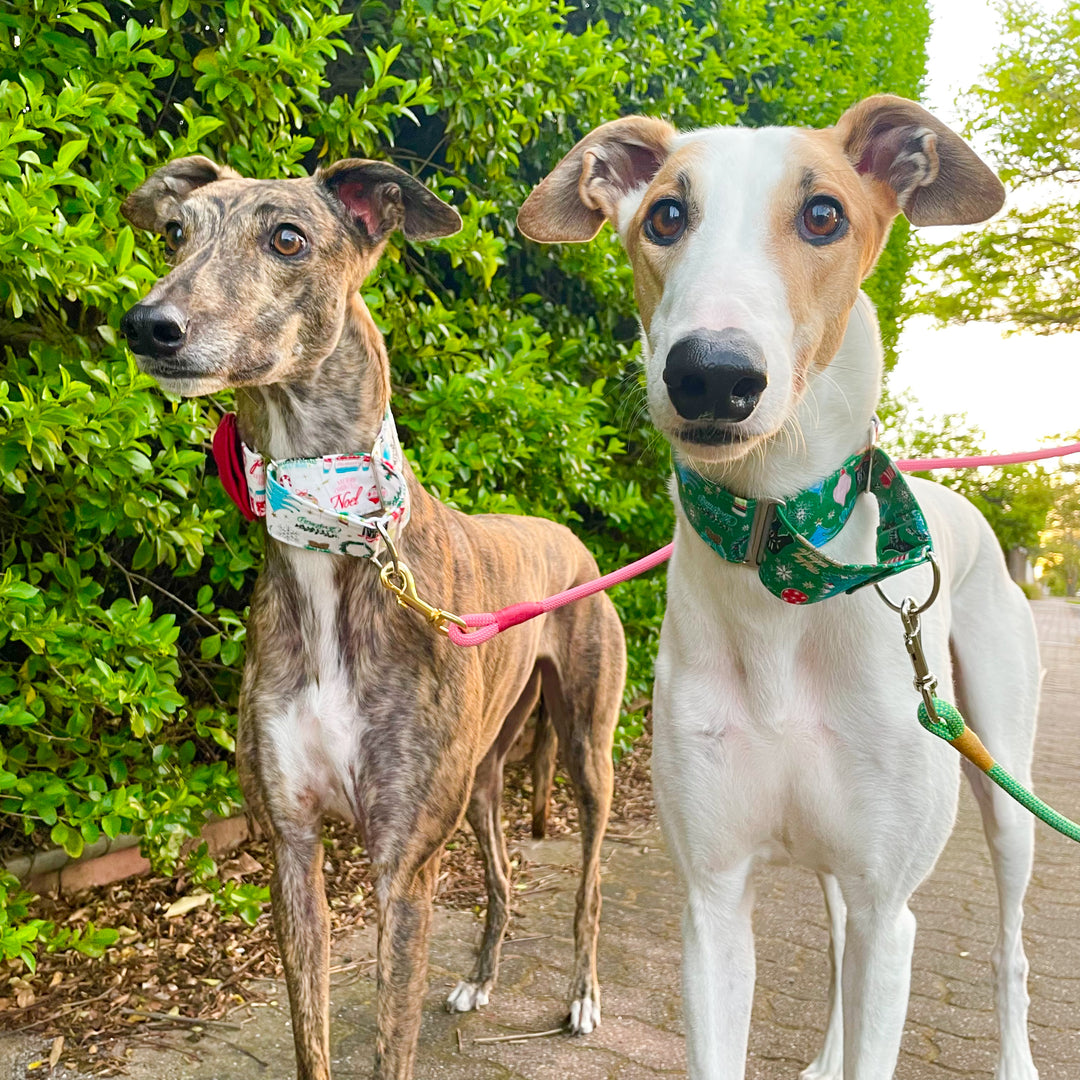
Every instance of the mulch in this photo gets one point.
(167, 978)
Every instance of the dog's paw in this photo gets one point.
(822, 1071)
(1016, 1066)
(584, 1015)
(467, 996)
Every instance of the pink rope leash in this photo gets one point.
(489, 623)
(918, 464)
(492, 623)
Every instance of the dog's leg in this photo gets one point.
(999, 697)
(484, 815)
(829, 1064)
(545, 749)
(718, 973)
(302, 924)
(879, 939)
(593, 776)
(584, 716)
(485, 818)
(404, 905)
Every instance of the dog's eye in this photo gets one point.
(174, 235)
(666, 221)
(288, 241)
(822, 220)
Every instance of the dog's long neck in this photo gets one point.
(337, 410)
(830, 424)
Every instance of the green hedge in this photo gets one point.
(125, 569)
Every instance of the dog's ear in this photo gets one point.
(934, 177)
(571, 203)
(153, 203)
(380, 198)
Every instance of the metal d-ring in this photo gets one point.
(380, 528)
(905, 605)
(875, 428)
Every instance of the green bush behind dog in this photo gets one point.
(125, 569)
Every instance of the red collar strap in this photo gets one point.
(229, 455)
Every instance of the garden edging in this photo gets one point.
(55, 872)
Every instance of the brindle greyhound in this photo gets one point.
(351, 706)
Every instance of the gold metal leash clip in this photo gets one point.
(398, 578)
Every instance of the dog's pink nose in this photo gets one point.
(716, 375)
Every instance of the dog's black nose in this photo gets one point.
(154, 329)
(715, 374)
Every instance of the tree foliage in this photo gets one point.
(1014, 499)
(124, 569)
(1024, 268)
(1059, 543)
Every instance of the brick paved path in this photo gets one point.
(950, 1031)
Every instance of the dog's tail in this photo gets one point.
(545, 748)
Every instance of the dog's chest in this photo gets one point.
(314, 730)
(767, 668)
(767, 716)
(762, 689)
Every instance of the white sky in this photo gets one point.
(1015, 388)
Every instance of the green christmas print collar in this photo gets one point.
(782, 538)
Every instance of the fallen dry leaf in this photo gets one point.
(247, 865)
(56, 1051)
(186, 904)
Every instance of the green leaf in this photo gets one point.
(111, 825)
(70, 151)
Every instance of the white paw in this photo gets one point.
(584, 1016)
(822, 1070)
(466, 996)
(1016, 1066)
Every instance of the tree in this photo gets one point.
(1024, 268)
(1059, 556)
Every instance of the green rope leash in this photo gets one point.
(952, 729)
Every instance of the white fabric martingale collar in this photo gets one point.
(334, 504)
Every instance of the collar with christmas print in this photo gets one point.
(782, 538)
(334, 504)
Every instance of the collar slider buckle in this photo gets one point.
(764, 513)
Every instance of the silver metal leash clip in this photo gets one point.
(925, 680)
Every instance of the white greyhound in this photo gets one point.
(787, 730)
